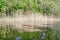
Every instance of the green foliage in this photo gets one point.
(27, 5)
(58, 31)
(30, 35)
(49, 7)
(50, 34)
(10, 34)
(3, 5)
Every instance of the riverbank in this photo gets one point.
(29, 21)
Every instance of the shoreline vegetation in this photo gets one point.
(8, 7)
(22, 18)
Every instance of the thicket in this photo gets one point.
(42, 6)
